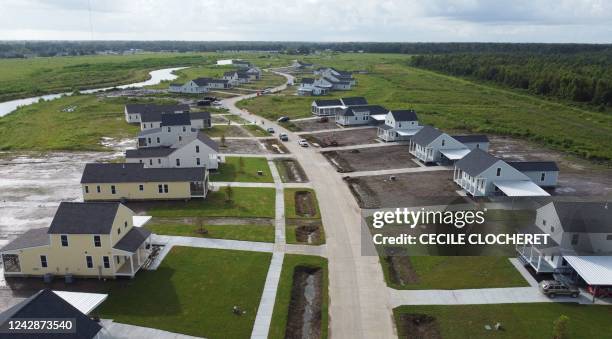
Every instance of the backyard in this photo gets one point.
(243, 169)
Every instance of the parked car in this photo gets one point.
(204, 103)
(270, 130)
(303, 142)
(283, 119)
(217, 104)
(283, 137)
(267, 91)
(552, 288)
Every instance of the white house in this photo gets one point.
(200, 151)
(326, 107)
(430, 145)
(300, 64)
(359, 114)
(543, 173)
(481, 174)
(316, 87)
(199, 120)
(172, 132)
(474, 141)
(254, 73)
(399, 125)
(198, 85)
(231, 77)
(134, 112)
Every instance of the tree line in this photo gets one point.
(584, 77)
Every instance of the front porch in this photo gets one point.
(132, 252)
(535, 258)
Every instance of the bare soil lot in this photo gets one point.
(273, 145)
(305, 204)
(408, 189)
(371, 159)
(242, 146)
(290, 170)
(576, 176)
(418, 326)
(304, 318)
(343, 138)
(218, 119)
(315, 125)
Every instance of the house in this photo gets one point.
(254, 73)
(300, 64)
(198, 85)
(174, 129)
(481, 174)
(430, 145)
(579, 245)
(326, 107)
(340, 80)
(543, 173)
(198, 120)
(231, 77)
(243, 77)
(316, 87)
(359, 114)
(200, 151)
(119, 182)
(399, 125)
(48, 304)
(175, 88)
(354, 101)
(218, 84)
(85, 239)
(134, 112)
(474, 141)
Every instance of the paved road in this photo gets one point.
(350, 147)
(339, 129)
(359, 298)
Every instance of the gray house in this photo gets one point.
(399, 125)
(430, 145)
(199, 120)
(354, 115)
(135, 112)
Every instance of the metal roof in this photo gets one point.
(455, 154)
(594, 270)
(407, 132)
(520, 188)
(84, 302)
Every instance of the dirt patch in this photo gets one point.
(577, 177)
(218, 119)
(274, 146)
(418, 326)
(242, 146)
(308, 232)
(408, 189)
(305, 205)
(315, 124)
(304, 318)
(343, 138)
(371, 158)
(290, 170)
(400, 266)
(209, 220)
(229, 131)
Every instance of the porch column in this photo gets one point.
(539, 261)
(132, 265)
(138, 256)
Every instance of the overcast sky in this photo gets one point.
(588, 21)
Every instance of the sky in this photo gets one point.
(579, 21)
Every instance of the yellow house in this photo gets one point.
(88, 239)
(121, 181)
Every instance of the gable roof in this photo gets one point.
(230, 73)
(133, 239)
(307, 80)
(584, 217)
(148, 108)
(471, 138)
(31, 238)
(149, 131)
(328, 102)
(122, 172)
(201, 81)
(208, 141)
(532, 166)
(149, 152)
(176, 119)
(199, 115)
(404, 115)
(426, 135)
(476, 162)
(84, 218)
(45, 304)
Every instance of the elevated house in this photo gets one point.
(135, 112)
(399, 125)
(174, 129)
(314, 87)
(200, 151)
(195, 86)
(231, 77)
(481, 174)
(579, 246)
(473, 141)
(85, 239)
(198, 120)
(354, 115)
(298, 64)
(254, 73)
(430, 145)
(543, 173)
(132, 181)
(331, 107)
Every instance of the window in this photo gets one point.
(97, 241)
(498, 172)
(158, 140)
(98, 188)
(544, 222)
(542, 176)
(443, 142)
(552, 229)
(165, 188)
(64, 239)
(86, 189)
(609, 237)
(477, 145)
(106, 261)
(184, 129)
(178, 162)
(198, 161)
(125, 223)
(197, 149)
(118, 260)
(168, 129)
(141, 188)
(119, 231)
(552, 258)
(575, 239)
(151, 162)
(160, 188)
(113, 189)
(89, 260)
(159, 161)
(148, 140)
(43, 261)
(180, 138)
(140, 161)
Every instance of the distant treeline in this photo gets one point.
(581, 77)
(20, 49)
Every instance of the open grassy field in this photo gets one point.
(518, 320)
(246, 202)
(263, 233)
(283, 295)
(193, 292)
(243, 169)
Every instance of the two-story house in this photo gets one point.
(198, 120)
(430, 145)
(134, 112)
(399, 125)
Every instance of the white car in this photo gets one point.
(217, 104)
(303, 142)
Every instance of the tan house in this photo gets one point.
(122, 181)
(88, 239)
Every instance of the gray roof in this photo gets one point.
(84, 218)
(229, 73)
(46, 304)
(176, 119)
(404, 115)
(347, 112)
(584, 217)
(471, 138)
(208, 141)
(118, 173)
(476, 162)
(31, 238)
(426, 135)
(133, 239)
(307, 81)
(149, 131)
(220, 81)
(328, 102)
(201, 81)
(149, 152)
(199, 115)
(532, 166)
(148, 108)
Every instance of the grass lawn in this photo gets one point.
(262, 233)
(193, 292)
(246, 202)
(45, 126)
(257, 131)
(243, 169)
(283, 295)
(518, 320)
(274, 106)
(236, 118)
(224, 130)
(449, 273)
(293, 219)
(290, 208)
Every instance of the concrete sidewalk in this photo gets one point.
(249, 155)
(242, 184)
(268, 298)
(397, 171)
(339, 129)
(351, 147)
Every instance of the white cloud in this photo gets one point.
(310, 20)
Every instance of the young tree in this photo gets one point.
(200, 224)
(560, 328)
(241, 165)
(229, 193)
(223, 140)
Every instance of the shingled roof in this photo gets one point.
(476, 162)
(471, 138)
(208, 141)
(328, 102)
(149, 152)
(176, 119)
(584, 217)
(122, 172)
(133, 239)
(404, 115)
(31, 238)
(148, 108)
(84, 218)
(533, 166)
(426, 135)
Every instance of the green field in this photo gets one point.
(263, 233)
(193, 292)
(246, 202)
(283, 295)
(517, 320)
(243, 169)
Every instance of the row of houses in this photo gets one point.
(328, 79)
(229, 80)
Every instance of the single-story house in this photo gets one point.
(129, 181)
(134, 112)
(474, 141)
(201, 151)
(430, 145)
(399, 125)
(300, 64)
(88, 239)
(199, 120)
(326, 107)
(481, 174)
(543, 173)
(359, 114)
